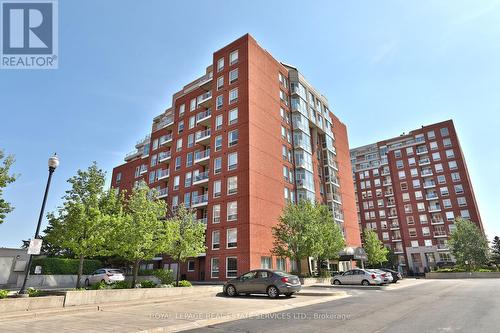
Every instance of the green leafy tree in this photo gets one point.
(495, 250)
(189, 237)
(143, 231)
(296, 234)
(5, 179)
(329, 239)
(468, 245)
(374, 248)
(81, 225)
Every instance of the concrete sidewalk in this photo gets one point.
(162, 315)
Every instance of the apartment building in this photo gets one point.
(410, 189)
(237, 145)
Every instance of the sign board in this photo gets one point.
(35, 246)
(38, 269)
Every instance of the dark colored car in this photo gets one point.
(263, 281)
(396, 276)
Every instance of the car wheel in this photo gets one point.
(365, 283)
(87, 282)
(231, 291)
(337, 282)
(273, 292)
(288, 295)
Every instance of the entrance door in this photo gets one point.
(5, 269)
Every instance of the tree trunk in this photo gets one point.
(299, 266)
(80, 272)
(178, 270)
(136, 272)
(309, 268)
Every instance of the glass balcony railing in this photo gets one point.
(200, 200)
(202, 176)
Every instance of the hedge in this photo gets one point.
(64, 266)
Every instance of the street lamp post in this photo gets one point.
(53, 164)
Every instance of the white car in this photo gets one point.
(386, 277)
(106, 275)
(358, 276)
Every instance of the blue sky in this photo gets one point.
(386, 67)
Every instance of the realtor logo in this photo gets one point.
(29, 34)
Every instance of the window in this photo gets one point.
(220, 64)
(152, 176)
(232, 138)
(465, 213)
(438, 167)
(441, 179)
(190, 140)
(216, 213)
(461, 201)
(179, 145)
(155, 144)
(233, 76)
(192, 104)
(450, 153)
(406, 196)
(154, 158)
(265, 262)
(176, 182)
(433, 145)
(217, 188)
(452, 165)
(423, 218)
(414, 243)
(231, 267)
(118, 177)
(190, 266)
(192, 121)
(180, 127)
(447, 142)
(187, 199)
(416, 183)
(182, 108)
(189, 159)
(232, 211)
(414, 172)
(436, 156)
(431, 135)
(444, 131)
(233, 116)
(219, 102)
(420, 206)
(409, 151)
(217, 165)
(412, 232)
(218, 122)
(446, 203)
(218, 142)
(385, 236)
(403, 186)
(411, 161)
(455, 177)
(215, 240)
(178, 162)
(232, 161)
(233, 95)
(399, 164)
(444, 191)
(410, 220)
(459, 189)
(232, 185)
(450, 216)
(402, 175)
(408, 208)
(397, 153)
(233, 57)
(281, 264)
(188, 179)
(428, 242)
(214, 268)
(232, 238)
(426, 231)
(220, 82)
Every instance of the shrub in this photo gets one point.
(3, 293)
(65, 266)
(99, 285)
(485, 270)
(147, 284)
(145, 272)
(184, 283)
(166, 276)
(32, 292)
(122, 285)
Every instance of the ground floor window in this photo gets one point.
(214, 268)
(190, 265)
(281, 264)
(231, 267)
(265, 262)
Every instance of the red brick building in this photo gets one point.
(237, 144)
(410, 189)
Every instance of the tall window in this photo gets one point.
(233, 116)
(231, 267)
(215, 239)
(217, 188)
(281, 264)
(232, 185)
(233, 76)
(192, 121)
(233, 57)
(190, 140)
(216, 214)
(217, 165)
(179, 144)
(178, 162)
(265, 262)
(214, 268)
(218, 142)
(176, 182)
(219, 102)
(232, 238)
(182, 108)
(220, 82)
(232, 138)
(232, 161)
(192, 104)
(220, 64)
(232, 211)
(189, 159)
(218, 122)
(233, 95)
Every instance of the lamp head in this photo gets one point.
(53, 162)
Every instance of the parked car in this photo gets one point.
(386, 277)
(263, 281)
(358, 276)
(396, 276)
(106, 275)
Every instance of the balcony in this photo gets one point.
(163, 174)
(199, 201)
(203, 137)
(391, 204)
(398, 239)
(393, 215)
(443, 247)
(394, 226)
(421, 151)
(163, 193)
(434, 209)
(439, 234)
(166, 122)
(165, 140)
(143, 170)
(205, 100)
(201, 178)
(132, 155)
(332, 180)
(429, 184)
(143, 141)
(203, 220)
(385, 173)
(334, 197)
(426, 173)
(389, 194)
(387, 183)
(203, 118)
(437, 221)
(432, 196)
(163, 156)
(424, 161)
(338, 216)
(206, 81)
(202, 157)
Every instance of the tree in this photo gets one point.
(82, 223)
(189, 237)
(329, 240)
(495, 250)
(143, 231)
(468, 245)
(5, 179)
(374, 248)
(294, 236)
